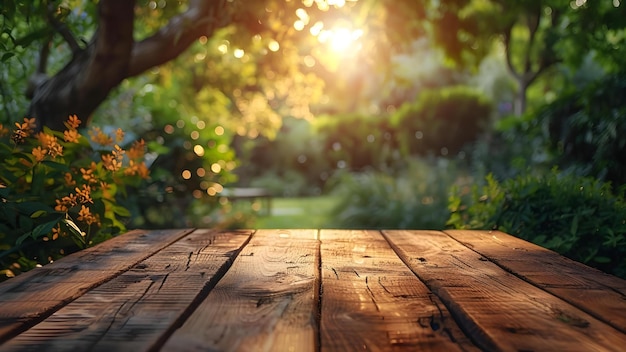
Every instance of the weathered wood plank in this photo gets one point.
(32, 296)
(599, 294)
(371, 301)
(137, 310)
(267, 301)
(499, 310)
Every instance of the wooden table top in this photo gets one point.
(311, 290)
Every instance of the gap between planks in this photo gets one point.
(138, 309)
(498, 309)
(23, 306)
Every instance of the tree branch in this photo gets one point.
(39, 76)
(507, 52)
(62, 29)
(532, 23)
(112, 43)
(202, 18)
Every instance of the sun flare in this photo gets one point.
(341, 39)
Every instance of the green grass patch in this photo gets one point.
(298, 213)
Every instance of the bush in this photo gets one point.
(414, 199)
(586, 128)
(59, 193)
(579, 217)
(357, 142)
(441, 121)
(292, 164)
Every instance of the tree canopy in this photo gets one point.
(534, 35)
(75, 53)
(276, 55)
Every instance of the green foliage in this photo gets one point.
(581, 218)
(586, 128)
(190, 149)
(441, 121)
(59, 192)
(291, 164)
(356, 142)
(416, 198)
(515, 146)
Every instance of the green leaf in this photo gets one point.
(601, 259)
(38, 213)
(56, 166)
(75, 232)
(29, 208)
(38, 231)
(32, 36)
(121, 211)
(7, 56)
(73, 227)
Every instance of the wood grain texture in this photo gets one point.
(267, 301)
(601, 295)
(499, 310)
(372, 302)
(32, 296)
(136, 310)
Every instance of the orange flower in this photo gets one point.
(39, 153)
(55, 150)
(137, 150)
(71, 136)
(72, 122)
(85, 215)
(143, 170)
(55, 232)
(84, 194)
(119, 135)
(65, 203)
(97, 136)
(110, 163)
(32, 123)
(137, 169)
(61, 206)
(23, 130)
(69, 179)
(3, 130)
(118, 152)
(88, 175)
(50, 142)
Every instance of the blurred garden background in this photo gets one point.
(434, 114)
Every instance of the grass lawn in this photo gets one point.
(298, 213)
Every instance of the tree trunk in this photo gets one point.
(520, 99)
(112, 56)
(72, 91)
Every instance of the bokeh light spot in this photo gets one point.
(198, 149)
(273, 46)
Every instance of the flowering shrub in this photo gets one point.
(59, 192)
